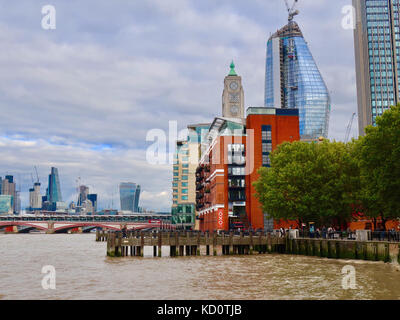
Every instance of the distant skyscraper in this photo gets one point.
(377, 54)
(9, 188)
(137, 197)
(54, 190)
(35, 198)
(93, 199)
(6, 204)
(129, 196)
(293, 81)
(83, 194)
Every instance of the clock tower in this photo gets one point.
(233, 96)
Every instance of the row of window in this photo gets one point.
(183, 178)
(184, 198)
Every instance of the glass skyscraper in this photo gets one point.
(54, 190)
(129, 194)
(293, 81)
(377, 54)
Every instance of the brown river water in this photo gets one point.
(84, 272)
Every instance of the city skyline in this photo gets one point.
(100, 132)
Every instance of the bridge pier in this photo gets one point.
(154, 251)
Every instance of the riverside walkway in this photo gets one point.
(183, 243)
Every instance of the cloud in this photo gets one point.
(83, 97)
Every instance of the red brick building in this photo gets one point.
(234, 151)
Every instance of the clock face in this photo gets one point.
(234, 85)
(234, 110)
(234, 97)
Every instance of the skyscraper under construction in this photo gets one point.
(293, 81)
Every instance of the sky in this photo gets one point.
(83, 97)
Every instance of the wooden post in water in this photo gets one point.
(251, 248)
(159, 243)
(141, 243)
(230, 247)
(214, 243)
(198, 244)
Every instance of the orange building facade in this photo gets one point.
(271, 127)
(236, 149)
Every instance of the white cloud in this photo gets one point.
(83, 97)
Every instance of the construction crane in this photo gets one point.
(349, 126)
(37, 175)
(292, 10)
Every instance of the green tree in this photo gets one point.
(310, 182)
(378, 153)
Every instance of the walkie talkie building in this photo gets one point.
(293, 81)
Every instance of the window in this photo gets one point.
(185, 184)
(184, 177)
(185, 171)
(185, 165)
(175, 184)
(184, 197)
(185, 191)
(267, 147)
(266, 161)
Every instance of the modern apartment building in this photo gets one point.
(377, 56)
(293, 81)
(236, 149)
(184, 181)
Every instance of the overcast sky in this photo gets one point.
(82, 97)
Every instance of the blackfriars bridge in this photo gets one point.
(66, 223)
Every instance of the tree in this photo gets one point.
(310, 182)
(378, 153)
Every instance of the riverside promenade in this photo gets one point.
(183, 243)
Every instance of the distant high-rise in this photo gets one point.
(35, 198)
(54, 191)
(129, 194)
(293, 81)
(377, 54)
(6, 204)
(137, 197)
(93, 199)
(8, 187)
(83, 194)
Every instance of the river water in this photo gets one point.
(84, 272)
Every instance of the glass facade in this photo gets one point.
(54, 190)
(183, 214)
(377, 53)
(6, 204)
(129, 196)
(383, 53)
(292, 80)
